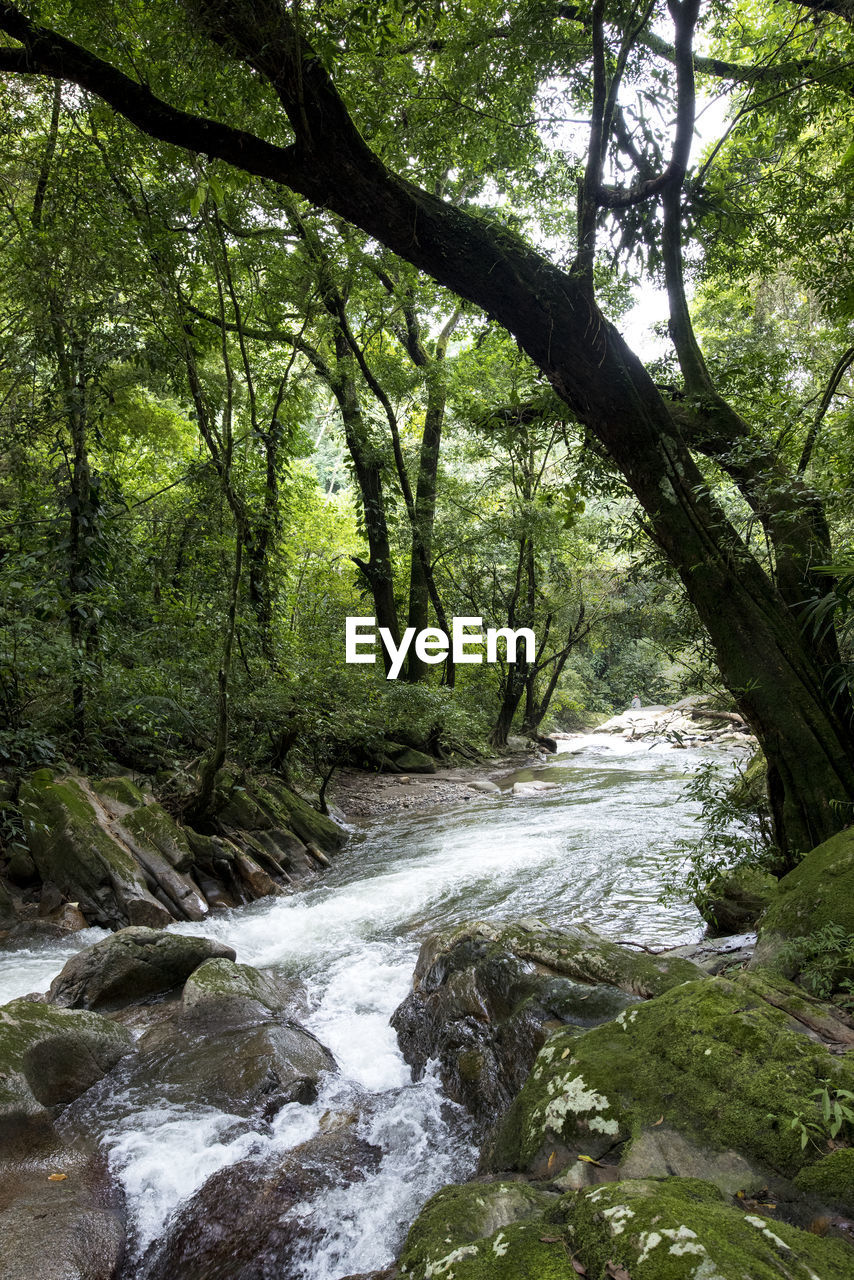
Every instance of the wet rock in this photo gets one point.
(714, 1061)
(484, 785)
(73, 850)
(735, 900)
(248, 1066)
(48, 1057)
(61, 1217)
(248, 1222)
(486, 996)
(819, 892)
(222, 993)
(132, 965)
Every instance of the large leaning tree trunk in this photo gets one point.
(764, 656)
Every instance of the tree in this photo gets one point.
(293, 57)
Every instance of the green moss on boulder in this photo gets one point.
(48, 1057)
(734, 900)
(818, 892)
(133, 964)
(684, 1229)
(713, 1058)
(71, 849)
(472, 1231)
(831, 1180)
(230, 994)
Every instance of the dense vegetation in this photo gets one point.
(305, 363)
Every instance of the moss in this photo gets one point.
(683, 1229)
(263, 804)
(121, 789)
(477, 1232)
(818, 892)
(64, 836)
(711, 1057)
(575, 952)
(152, 825)
(831, 1180)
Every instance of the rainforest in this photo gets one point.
(426, 640)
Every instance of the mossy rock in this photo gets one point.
(818, 892)
(734, 900)
(684, 1229)
(48, 1057)
(152, 825)
(662, 1229)
(712, 1058)
(131, 965)
(395, 757)
(831, 1180)
(483, 1010)
(264, 804)
(72, 850)
(121, 789)
(230, 994)
(463, 1230)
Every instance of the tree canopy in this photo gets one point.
(285, 207)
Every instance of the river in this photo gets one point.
(593, 851)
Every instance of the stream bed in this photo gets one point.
(592, 851)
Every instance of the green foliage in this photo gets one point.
(824, 962)
(735, 831)
(833, 1112)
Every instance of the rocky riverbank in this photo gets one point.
(104, 851)
(639, 1114)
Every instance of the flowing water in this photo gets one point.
(594, 850)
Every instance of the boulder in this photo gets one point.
(48, 1057)
(668, 1229)
(221, 993)
(685, 1229)
(485, 997)
(228, 1046)
(248, 1220)
(72, 848)
(734, 900)
(485, 786)
(726, 1064)
(818, 893)
(61, 1217)
(131, 965)
(395, 757)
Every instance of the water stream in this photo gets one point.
(594, 851)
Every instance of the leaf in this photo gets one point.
(550, 1239)
(565, 1054)
(659, 1121)
(590, 1160)
(616, 1271)
(578, 1267)
(57, 1177)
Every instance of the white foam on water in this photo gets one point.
(32, 968)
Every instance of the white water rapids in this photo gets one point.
(592, 851)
